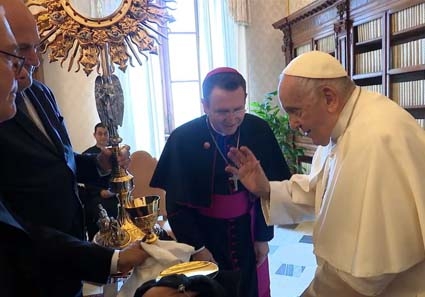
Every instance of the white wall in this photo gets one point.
(265, 57)
(264, 54)
(74, 93)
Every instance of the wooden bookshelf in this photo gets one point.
(381, 44)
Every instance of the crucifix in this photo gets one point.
(235, 179)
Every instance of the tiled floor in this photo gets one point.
(292, 263)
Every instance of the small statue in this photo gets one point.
(110, 232)
(104, 221)
(117, 234)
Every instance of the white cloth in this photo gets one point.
(370, 220)
(163, 254)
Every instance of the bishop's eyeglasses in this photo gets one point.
(18, 62)
(227, 113)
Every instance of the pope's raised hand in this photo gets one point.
(249, 171)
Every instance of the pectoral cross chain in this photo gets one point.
(234, 177)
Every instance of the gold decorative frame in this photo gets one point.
(130, 31)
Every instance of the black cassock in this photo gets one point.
(191, 170)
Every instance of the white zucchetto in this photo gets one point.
(315, 64)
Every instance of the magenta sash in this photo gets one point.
(228, 206)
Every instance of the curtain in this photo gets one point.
(240, 11)
(221, 39)
(143, 123)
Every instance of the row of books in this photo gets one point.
(307, 144)
(306, 167)
(409, 93)
(408, 54)
(408, 18)
(374, 88)
(368, 62)
(421, 122)
(302, 49)
(369, 31)
(326, 44)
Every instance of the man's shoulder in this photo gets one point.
(252, 118)
(191, 128)
(40, 90)
(92, 150)
(38, 85)
(255, 123)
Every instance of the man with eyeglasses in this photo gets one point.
(40, 170)
(208, 208)
(18, 62)
(37, 137)
(30, 254)
(8, 84)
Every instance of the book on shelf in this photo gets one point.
(306, 143)
(303, 139)
(326, 44)
(408, 54)
(306, 167)
(409, 93)
(374, 88)
(421, 122)
(302, 49)
(368, 62)
(369, 31)
(408, 18)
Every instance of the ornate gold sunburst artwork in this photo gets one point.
(99, 43)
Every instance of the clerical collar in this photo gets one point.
(210, 124)
(345, 115)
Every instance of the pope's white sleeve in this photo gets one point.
(290, 202)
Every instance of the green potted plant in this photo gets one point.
(279, 123)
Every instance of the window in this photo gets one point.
(180, 56)
(166, 91)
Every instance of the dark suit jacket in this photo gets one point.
(37, 261)
(39, 177)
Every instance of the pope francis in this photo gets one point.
(365, 188)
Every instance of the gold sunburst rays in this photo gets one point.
(132, 30)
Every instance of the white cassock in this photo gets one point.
(366, 190)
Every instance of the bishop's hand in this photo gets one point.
(249, 171)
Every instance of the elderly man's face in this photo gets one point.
(226, 109)
(8, 65)
(307, 111)
(24, 28)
